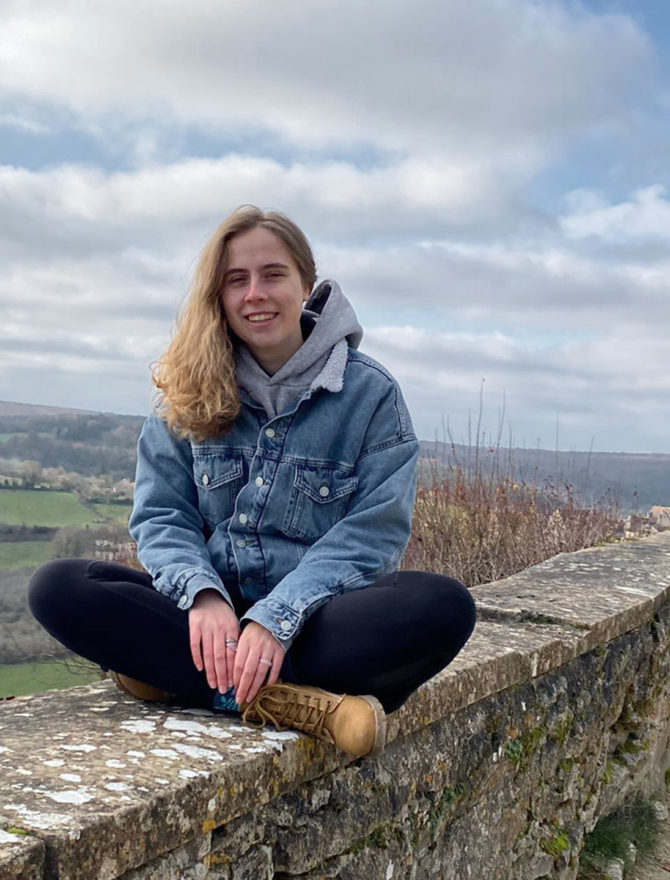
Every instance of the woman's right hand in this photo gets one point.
(212, 623)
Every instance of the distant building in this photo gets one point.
(660, 517)
(636, 526)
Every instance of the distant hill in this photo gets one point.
(12, 408)
(637, 480)
(80, 441)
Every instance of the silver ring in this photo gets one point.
(265, 661)
(231, 643)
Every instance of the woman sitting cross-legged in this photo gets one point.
(273, 501)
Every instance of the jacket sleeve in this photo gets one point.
(166, 522)
(368, 542)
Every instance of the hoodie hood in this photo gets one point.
(329, 327)
(332, 316)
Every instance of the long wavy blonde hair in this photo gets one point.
(197, 393)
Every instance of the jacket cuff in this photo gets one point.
(193, 583)
(280, 620)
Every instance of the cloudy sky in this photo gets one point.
(488, 181)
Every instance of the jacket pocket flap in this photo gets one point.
(211, 471)
(324, 486)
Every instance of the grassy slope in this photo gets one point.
(33, 678)
(114, 512)
(23, 554)
(36, 507)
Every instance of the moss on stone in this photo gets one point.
(450, 797)
(607, 774)
(531, 741)
(556, 844)
(513, 751)
(377, 839)
(563, 729)
(630, 747)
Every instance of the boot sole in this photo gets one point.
(380, 724)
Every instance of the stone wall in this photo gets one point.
(556, 711)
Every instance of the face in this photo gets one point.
(263, 295)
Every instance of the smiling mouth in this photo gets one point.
(261, 317)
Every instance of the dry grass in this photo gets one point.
(478, 525)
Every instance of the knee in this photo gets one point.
(454, 604)
(467, 605)
(45, 588)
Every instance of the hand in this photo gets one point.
(212, 623)
(250, 674)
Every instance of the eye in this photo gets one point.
(235, 280)
(275, 274)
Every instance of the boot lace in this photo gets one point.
(291, 709)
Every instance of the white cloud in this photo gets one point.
(646, 215)
(23, 123)
(405, 75)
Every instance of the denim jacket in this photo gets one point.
(285, 513)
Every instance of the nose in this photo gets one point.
(255, 289)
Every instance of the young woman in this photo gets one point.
(273, 501)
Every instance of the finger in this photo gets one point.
(277, 662)
(247, 677)
(258, 680)
(220, 663)
(194, 640)
(226, 648)
(208, 657)
(238, 667)
(231, 651)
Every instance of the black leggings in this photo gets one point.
(384, 640)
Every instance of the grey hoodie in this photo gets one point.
(329, 327)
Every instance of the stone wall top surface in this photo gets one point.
(108, 782)
(604, 591)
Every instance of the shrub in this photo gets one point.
(476, 523)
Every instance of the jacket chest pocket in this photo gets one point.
(219, 481)
(318, 499)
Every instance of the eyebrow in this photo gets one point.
(264, 268)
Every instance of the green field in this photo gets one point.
(23, 554)
(33, 678)
(114, 512)
(38, 507)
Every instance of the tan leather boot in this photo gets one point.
(357, 725)
(139, 689)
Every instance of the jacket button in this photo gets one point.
(269, 432)
(183, 602)
(285, 625)
(205, 480)
(244, 519)
(259, 481)
(241, 542)
(324, 491)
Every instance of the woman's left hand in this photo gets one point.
(256, 644)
